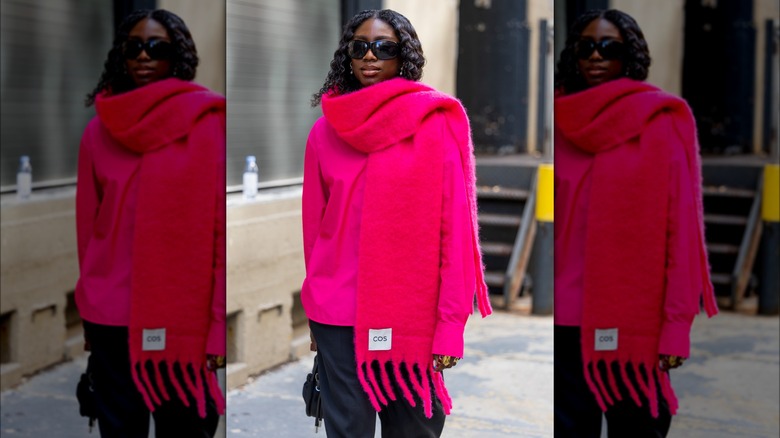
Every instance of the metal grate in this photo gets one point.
(278, 54)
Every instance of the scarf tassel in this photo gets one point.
(483, 301)
(154, 392)
(442, 393)
(378, 394)
(667, 391)
(607, 394)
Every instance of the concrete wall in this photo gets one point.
(265, 270)
(39, 268)
(206, 22)
(436, 23)
(663, 25)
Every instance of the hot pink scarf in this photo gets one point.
(404, 127)
(179, 128)
(631, 127)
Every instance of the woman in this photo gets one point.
(630, 260)
(151, 235)
(390, 243)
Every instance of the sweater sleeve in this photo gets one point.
(88, 196)
(216, 341)
(314, 197)
(682, 289)
(457, 280)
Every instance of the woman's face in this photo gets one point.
(143, 69)
(595, 67)
(369, 69)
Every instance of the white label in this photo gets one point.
(154, 339)
(380, 340)
(606, 339)
(250, 185)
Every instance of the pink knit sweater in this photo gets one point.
(334, 179)
(396, 135)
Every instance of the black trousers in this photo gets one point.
(122, 412)
(576, 412)
(348, 413)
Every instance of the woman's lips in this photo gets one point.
(370, 72)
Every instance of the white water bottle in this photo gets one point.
(250, 177)
(24, 178)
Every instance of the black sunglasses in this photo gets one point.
(382, 49)
(608, 49)
(156, 49)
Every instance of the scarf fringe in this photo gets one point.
(402, 383)
(647, 385)
(446, 400)
(695, 167)
(378, 394)
(629, 385)
(470, 164)
(483, 300)
(204, 381)
(668, 392)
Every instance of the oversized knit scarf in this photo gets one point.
(404, 127)
(179, 129)
(631, 128)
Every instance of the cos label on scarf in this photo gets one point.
(607, 339)
(380, 340)
(154, 340)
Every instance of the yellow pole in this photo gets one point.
(543, 278)
(769, 283)
(545, 200)
(770, 203)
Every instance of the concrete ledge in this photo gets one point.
(39, 267)
(10, 375)
(265, 269)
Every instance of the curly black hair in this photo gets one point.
(184, 61)
(635, 63)
(339, 78)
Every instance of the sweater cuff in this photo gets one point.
(675, 339)
(216, 342)
(448, 339)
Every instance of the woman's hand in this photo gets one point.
(668, 362)
(213, 362)
(441, 362)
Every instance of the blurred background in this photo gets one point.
(51, 55)
(722, 58)
(269, 57)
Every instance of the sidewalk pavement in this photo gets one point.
(729, 387)
(45, 406)
(502, 388)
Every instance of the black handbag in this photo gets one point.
(85, 394)
(311, 395)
